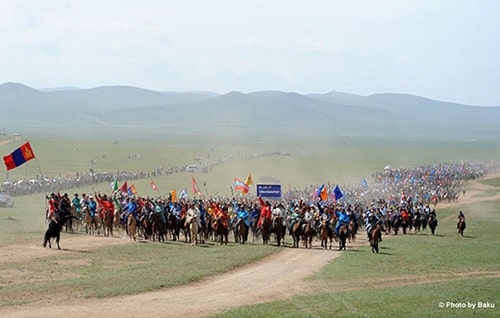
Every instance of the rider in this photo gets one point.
(92, 207)
(242, 214)
(342, 219)
(265, 212)
(53, 206)
(194, 212)
(461, 217)
(77, 204)
(295, 217)
(371, 221)
(65, 205)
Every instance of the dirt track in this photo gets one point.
(276, 277)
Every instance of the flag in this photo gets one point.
(123, 188)
(153, 185)
(248, 180)
(19, 156)
(364, 183)
(322, 193)
(114, 185)
(183, 194)
(338, 193)
(132, 190)
(194, 186)
(240, 185)
(173, 195)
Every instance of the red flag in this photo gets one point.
(194, 186)
(19, 156)
(153, 185)
(124, 188)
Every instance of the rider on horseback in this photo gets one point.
(371, 221)
(461, 218)
(342, 219)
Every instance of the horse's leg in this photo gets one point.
(58, 237)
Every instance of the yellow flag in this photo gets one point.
(248, 180)
(173, 193)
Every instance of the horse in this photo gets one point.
(325, 234)
(296, 233)
(307, 234)
(158, 227)
(221, 230)
(172, 226)
(352, 230)
(375, 237)
(433, 223)
(265, 228)
(241, 231)
(342, 237)
(107, 223)
(90, 222)
(254, 229)
(396, 223)
(417, 223)
(132, 227)
(55, 227)
(279, 229)
(117, 222)
(192, 226)
(461, 227)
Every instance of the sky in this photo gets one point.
(446, 50)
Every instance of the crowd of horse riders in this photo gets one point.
(398, 199)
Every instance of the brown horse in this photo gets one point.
(461, 227)
(107, 223)
(325, 234)
(221, 230)
(342, 237)
(307, 234)
(117, 224)
(241, 231)
(352, 230)
(132, 227)
(296, 233)
(265, 230)
(376, 236)
(90, 222)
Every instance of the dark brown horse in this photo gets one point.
(376, 236)
(279, 229)
(343, 231)
(461, 227)
(221, 230)
(296, 233)
(432, 223)
(241, 231)
(265, 230)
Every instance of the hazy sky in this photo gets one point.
(446, 50)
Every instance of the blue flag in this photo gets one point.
(338, 193)
(364, 183)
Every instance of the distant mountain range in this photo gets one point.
(265, 113)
